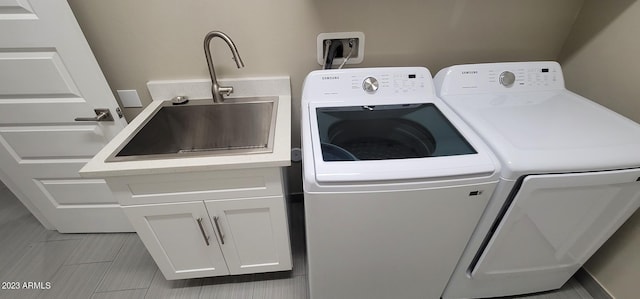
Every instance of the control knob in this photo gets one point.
(507, 78)
(370, 84)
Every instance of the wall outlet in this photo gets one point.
(129, 98)
(342, 37)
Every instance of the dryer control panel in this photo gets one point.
(500, 77)
(369, 85)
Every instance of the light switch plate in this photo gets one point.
(129, 98)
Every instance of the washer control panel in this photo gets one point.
(397, 83)
(369, 84)
(500, 77)
(542, 76)
(507, 78)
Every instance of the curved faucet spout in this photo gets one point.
(216, 89)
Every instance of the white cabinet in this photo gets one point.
(195, 228)
(253, 233)
(172, 234)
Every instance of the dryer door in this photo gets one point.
(556, 222)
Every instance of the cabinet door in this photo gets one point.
(175, 235)
(253, 233)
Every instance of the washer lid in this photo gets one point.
(387, 132)
(392, 142)
(550, 131)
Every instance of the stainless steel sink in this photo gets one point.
(202, 128)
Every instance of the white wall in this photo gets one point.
(600, 61)
(138, 41)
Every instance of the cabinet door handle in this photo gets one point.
(215, 221)
(204, 235)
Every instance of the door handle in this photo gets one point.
(204, 235)
(101, 115)
(215, 221)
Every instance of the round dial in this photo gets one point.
(507, 78)
(370, 84)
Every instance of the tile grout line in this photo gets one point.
(61, 265)
(29, 245)
(151, 283)
(109, 268)
(121, 245)
(74, 250)
(87, 263)
(113, 291)
(60, 240)
(101, 278)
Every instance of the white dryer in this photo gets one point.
(570, 176)
(394, 184)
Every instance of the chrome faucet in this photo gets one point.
(216, 89)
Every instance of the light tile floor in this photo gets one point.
(118, 266)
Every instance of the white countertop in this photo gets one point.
(201, 89)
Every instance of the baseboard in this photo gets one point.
(595, 289)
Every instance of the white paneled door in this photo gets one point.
(253, 233)
(48, 78)
(180, 238)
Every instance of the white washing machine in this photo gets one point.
(394, 184)
(570, 176)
